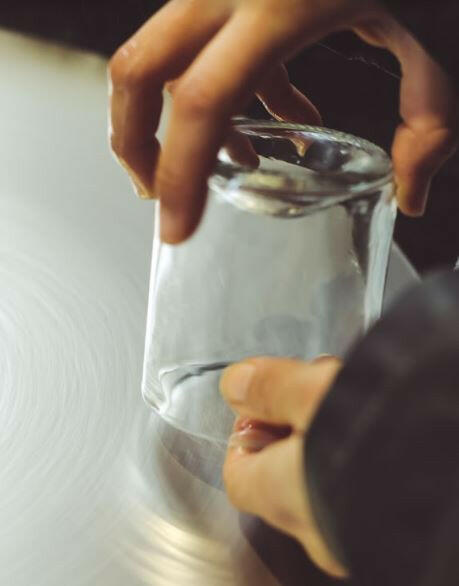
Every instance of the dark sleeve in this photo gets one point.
(435, 24)
(382, 454)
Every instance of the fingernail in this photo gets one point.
(237, 441)
(242, 423)
(321, 358)
(250, 440)
(400, 191)
(235, 382)
(140, 190)
(412, 203)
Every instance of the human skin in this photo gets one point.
(220, 53)
(275, 400)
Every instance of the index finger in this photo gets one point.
(215, 86)
(161, 49)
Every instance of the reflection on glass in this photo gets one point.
(289, 260)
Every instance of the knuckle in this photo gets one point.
(125, 69)
(118, 66)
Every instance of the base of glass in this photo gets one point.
(187, 397)
(202, 457)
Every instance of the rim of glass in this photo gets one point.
(225, 172)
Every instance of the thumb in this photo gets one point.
(279, 391)
(428, 134)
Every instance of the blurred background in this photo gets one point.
(354, 86)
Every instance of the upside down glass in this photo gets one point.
(290, 260)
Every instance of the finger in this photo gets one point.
(428, 135)
(159, 51)
(284, 101)
(255, 483)
(215, 86)
(280, 391)
(238, 148)
(253, 435)
(418, 156)
(270, 484)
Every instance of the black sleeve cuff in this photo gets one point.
(382, 455)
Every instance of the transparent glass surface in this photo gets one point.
(290, 259)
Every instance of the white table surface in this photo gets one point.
(88, 495)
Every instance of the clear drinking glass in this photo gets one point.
(290, 259)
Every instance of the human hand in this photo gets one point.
(276, 400)
(221, 53)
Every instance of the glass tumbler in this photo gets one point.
(290, 259)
